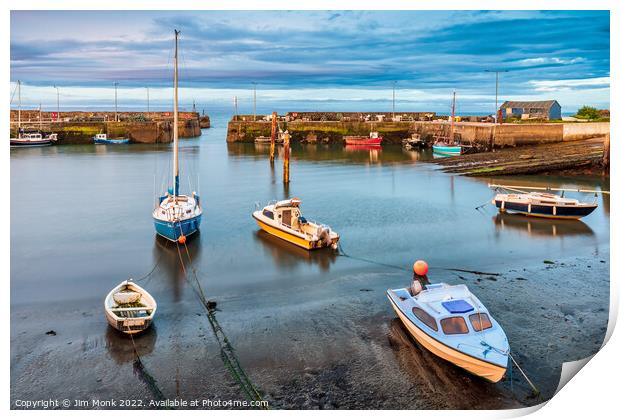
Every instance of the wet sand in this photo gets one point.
(343, 348)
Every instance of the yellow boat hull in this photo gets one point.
(471, 364)
(304, 243)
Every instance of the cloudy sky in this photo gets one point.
(314, 57)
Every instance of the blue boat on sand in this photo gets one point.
(102, 138)
(177, 216)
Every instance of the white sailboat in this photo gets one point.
(177, 216)
(29, 139)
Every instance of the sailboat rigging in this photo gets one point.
(177, 216)
(448, 148)
(29, 139)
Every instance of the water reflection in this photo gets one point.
(541, 227)
(121, 349)
(170, 266)
(289, 256)
(362, 154)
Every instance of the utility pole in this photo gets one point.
(254, 83)
(19, 108)
(115, 102)
(452, 117)
(393, 99)
(148, 102)
(57, 103)
(497, 72)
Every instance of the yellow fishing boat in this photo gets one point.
(284, 220)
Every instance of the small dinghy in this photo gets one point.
(284, 220)
(540, 204)
(452, 323)
(129, 308)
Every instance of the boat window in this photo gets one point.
(454, 325)
(286, 217)
(423, 316)
(268, 214)
(476, 319)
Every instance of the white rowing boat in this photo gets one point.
(129, 308)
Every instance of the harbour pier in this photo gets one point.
(78, 127)
(333, 127)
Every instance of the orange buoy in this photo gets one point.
(420, 267)
(182, 239)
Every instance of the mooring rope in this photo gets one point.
(144, 375)
(407, 269)
(227, 351)
(151, 271)
(509, 354)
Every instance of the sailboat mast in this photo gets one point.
(40, 119)
(452, 119)
(175, 128)
(19, 108)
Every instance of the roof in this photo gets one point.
(529, 104)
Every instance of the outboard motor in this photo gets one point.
(323, 232)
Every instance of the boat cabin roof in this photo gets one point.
(293, 202)
(544, 198)
(443, 300)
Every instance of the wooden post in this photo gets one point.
(286, 157)
(274, 128)
(606, 152)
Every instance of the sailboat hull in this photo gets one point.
(173, 230)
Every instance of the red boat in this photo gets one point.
(372, 139)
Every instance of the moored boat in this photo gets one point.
(450, 322)
(129, 308)
(102, 138)
(177, 216)
(30, 139)
(284, 220)
(540, 204)
(33, 139)
(446, 149)
(373, 139)
(446, 146)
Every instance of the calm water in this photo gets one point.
(80, 215)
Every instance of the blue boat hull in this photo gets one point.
(447, 150)
(173, 230)
(111, 141)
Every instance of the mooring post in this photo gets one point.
(274, 127)
(286, 157)
(606, 152)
